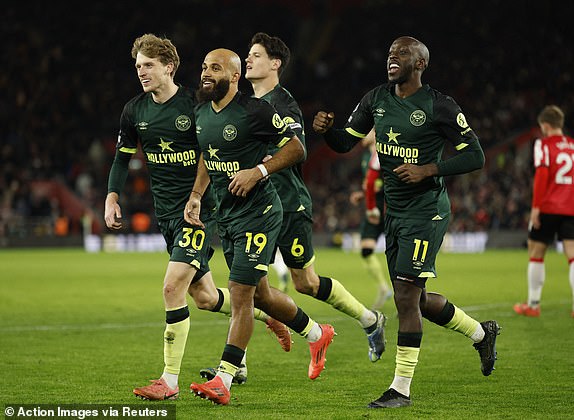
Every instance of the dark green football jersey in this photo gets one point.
(289, 182)
(235, 138)
(166, 133)
(412, 130)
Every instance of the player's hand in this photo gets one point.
(113, 214)
(356, 197)
(374, 216)
(535, 218)
(243, 181)
(192, 210)
(411, 174)
(323, 121)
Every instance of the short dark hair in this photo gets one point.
(275, 48)
(552, 115)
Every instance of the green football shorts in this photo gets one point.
(296, 239)
(412, 247)
(249, 244)
(189, 244)
(369, 230)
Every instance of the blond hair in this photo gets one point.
(552, 115)
(153, 46)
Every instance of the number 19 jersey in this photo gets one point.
(235, 138)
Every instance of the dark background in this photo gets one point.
(67, 71)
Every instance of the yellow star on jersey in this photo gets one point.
(393, 136)
(165, 145)
(213, 152)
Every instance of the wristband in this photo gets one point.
(200, 194)
(263, 170)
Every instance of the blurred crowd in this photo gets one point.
(67, 75)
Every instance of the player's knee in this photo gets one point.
(406, 297)
(365, 252)
(439, 315)
(175, 285)
(169, 289)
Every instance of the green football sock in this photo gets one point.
(406, 360)
(175, 337)
(225, 300)
(342, 300)
(463, 323)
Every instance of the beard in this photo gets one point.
(215, 94)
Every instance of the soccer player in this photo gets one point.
(234, 132)
(372, 224)
(161, 120)
(552, 211)
(412, 123)
(268, 56)
(267, 59)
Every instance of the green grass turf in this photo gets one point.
(87, 328)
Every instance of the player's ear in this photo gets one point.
(169, 68)
(421, 64)
(275, 64)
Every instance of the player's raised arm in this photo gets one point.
(338, 140)
(323, 121)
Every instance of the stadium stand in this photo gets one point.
(66, 76)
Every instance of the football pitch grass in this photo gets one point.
(78, 328)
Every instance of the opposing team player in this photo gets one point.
(552, 213)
